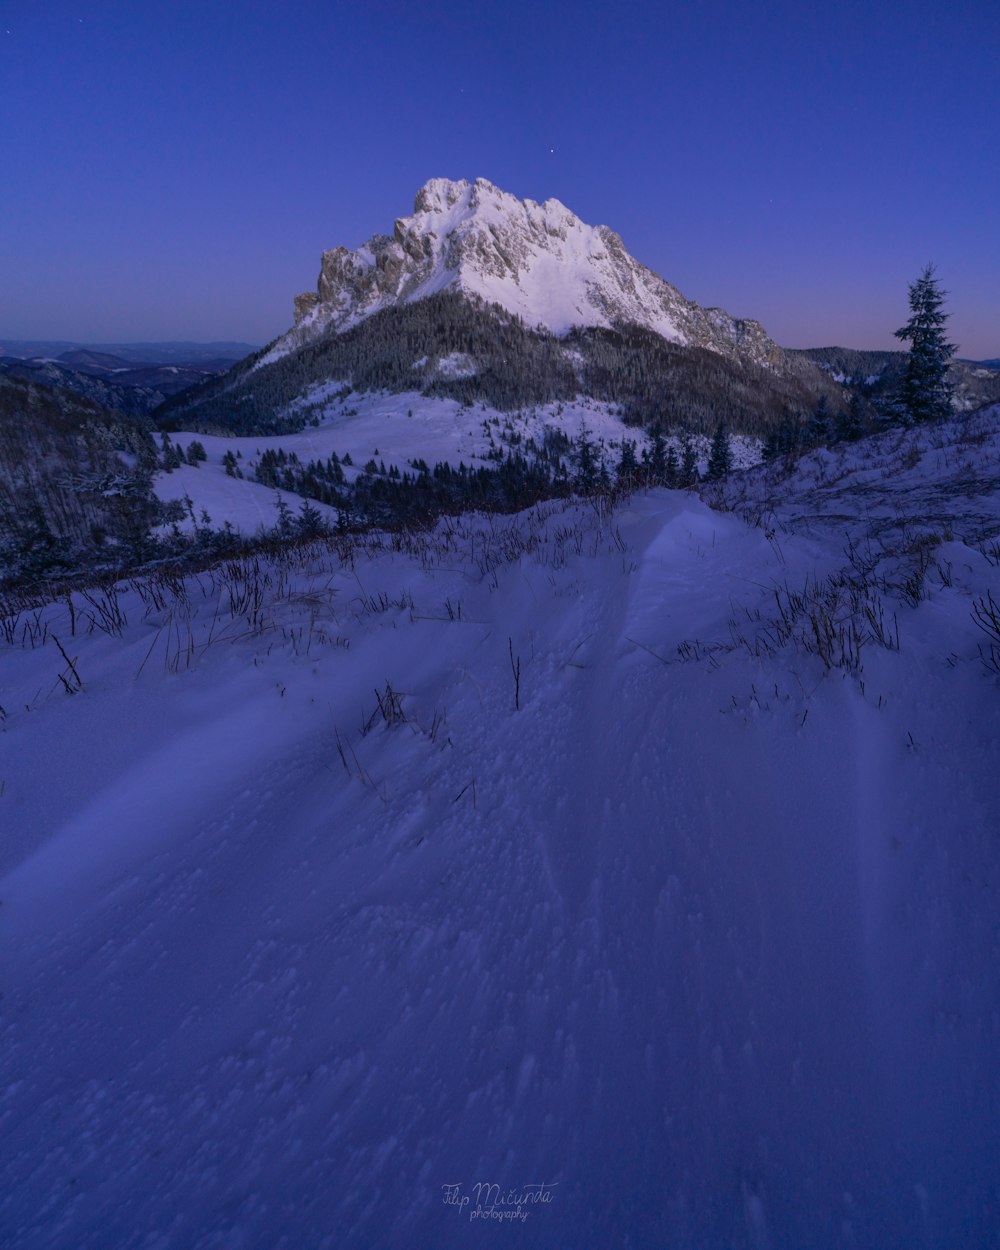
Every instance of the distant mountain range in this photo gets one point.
(483, 298)
(166, 353)
(976, 382)
(134, 378)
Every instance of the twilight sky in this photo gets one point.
(172, 169)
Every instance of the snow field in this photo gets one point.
(396, 429)
(701, 936)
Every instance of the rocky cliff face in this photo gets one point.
(486, 298)
(539, 261)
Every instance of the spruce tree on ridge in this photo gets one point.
(925, 392)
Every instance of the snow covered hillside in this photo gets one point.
(639, 861)
(396, 430)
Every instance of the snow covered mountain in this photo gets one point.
(538, 261)
(487, 299)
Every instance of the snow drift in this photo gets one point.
(554, 853)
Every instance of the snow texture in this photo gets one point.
(614, 896)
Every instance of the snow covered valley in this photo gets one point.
(637, 859)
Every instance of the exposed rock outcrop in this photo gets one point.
(539, 261)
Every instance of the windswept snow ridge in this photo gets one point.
(638, 862)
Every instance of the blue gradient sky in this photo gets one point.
(173, 170)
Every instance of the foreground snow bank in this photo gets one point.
(537, 853)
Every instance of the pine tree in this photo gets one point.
(720, 459)
(925, 392)
(310, 521)
(344, 514)
(689, 464)
(851, 424)
(286, 524)
(658, 457)
(790, 436)
(673, 466)
(586, 464)
(628, 465)
(196, 453)
(819, 430)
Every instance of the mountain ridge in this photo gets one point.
(538, 261)
(879, 373)
(133, 378)
(457, 347)
(481, 297)
(160, 351)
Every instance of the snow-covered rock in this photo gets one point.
(539, 261)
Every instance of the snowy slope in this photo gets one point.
(398, 428)
(392, 428)
(701, 936)
(539, 261)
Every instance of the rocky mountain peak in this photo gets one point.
(537, 260)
